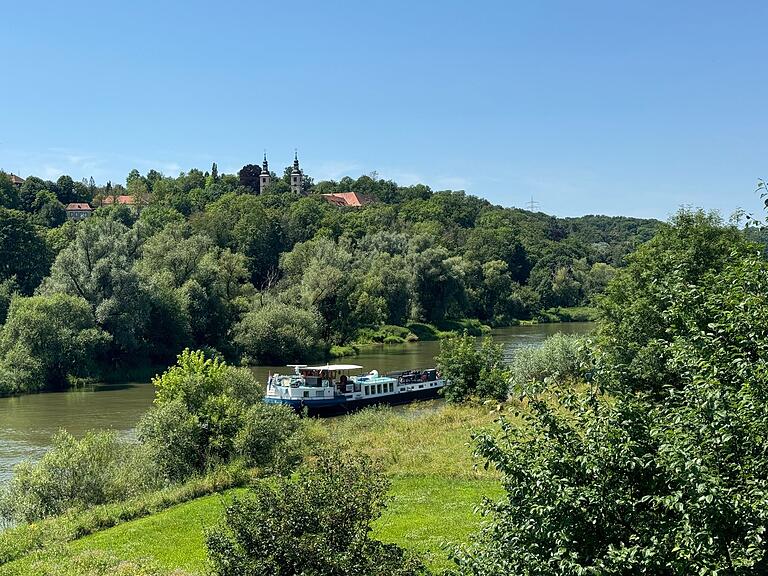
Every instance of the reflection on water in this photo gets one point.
(28, 422)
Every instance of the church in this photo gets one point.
(297, 177)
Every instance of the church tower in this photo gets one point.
(297, 177)
(264, 178)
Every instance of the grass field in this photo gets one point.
(424, 448)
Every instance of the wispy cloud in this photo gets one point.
(452, 183)
(335, 170)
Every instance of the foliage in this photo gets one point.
(317, 523)
(97, 469)
(45, 340)
(98, 267)
(279, 332)
(560, 358)
(470, 371)
(667, 475)
(181, 268)
(23, 253)
(633, 335)
(205, 415)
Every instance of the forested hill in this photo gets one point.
(210, 260)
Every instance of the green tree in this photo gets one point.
(278, 333)
(249, 177)
(99, 268)
(44, 340)
(23, 252)
(9, 196)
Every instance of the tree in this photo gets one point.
(99, 268)
(634, 334)
(9, 196)
(44, 340)
(667, 474)
(249, 177)
(317, 524)
(202, 417)
(23, 252)
(279, 333)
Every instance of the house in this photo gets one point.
(78, 210)
(349, 199)
(16, 181)
(122, 199)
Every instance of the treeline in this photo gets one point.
(208, 260)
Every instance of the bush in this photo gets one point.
(317, 524)
(560, 357)
(279, 333)
(207, 413)
(470, 371)
(97, 469)
(265, 438)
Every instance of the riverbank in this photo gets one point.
(423, 448)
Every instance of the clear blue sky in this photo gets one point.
(612, 107)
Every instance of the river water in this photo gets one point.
(27, 423)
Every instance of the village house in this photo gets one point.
(349, 199)
(78, 210)
(16, 181)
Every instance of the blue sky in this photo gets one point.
(610, 107)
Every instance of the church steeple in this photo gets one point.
(264, 177)
(297, 177)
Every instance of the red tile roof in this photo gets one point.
(16, 180)
(130, 200)
(72, 206)
(349, 199)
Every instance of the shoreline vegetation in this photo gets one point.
(268, 274)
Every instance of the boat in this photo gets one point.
(335, 389)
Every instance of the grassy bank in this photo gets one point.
(424, 448)
(413, 332)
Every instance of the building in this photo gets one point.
(78, 210)
(122, 199)
(297, 176)
(16, 181)
(349, 199)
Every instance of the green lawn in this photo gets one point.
(422, 515)
(174, 538)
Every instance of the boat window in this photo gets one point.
(367, 390)
(378, 388)
(306, 393)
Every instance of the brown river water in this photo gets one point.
(28, 422)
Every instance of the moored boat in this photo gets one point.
(338, 388)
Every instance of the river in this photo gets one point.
(27, 423)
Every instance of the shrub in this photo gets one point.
(265, 435)
(96, 469)
(470, 371)
(207, 413)
(317, 524)
(560, 357)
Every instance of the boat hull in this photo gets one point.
(341, 405)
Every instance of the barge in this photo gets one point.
(335, 389)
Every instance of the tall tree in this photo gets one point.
(249, 177)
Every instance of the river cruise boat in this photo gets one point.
(340, 388)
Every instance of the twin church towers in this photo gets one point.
(297, 178)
